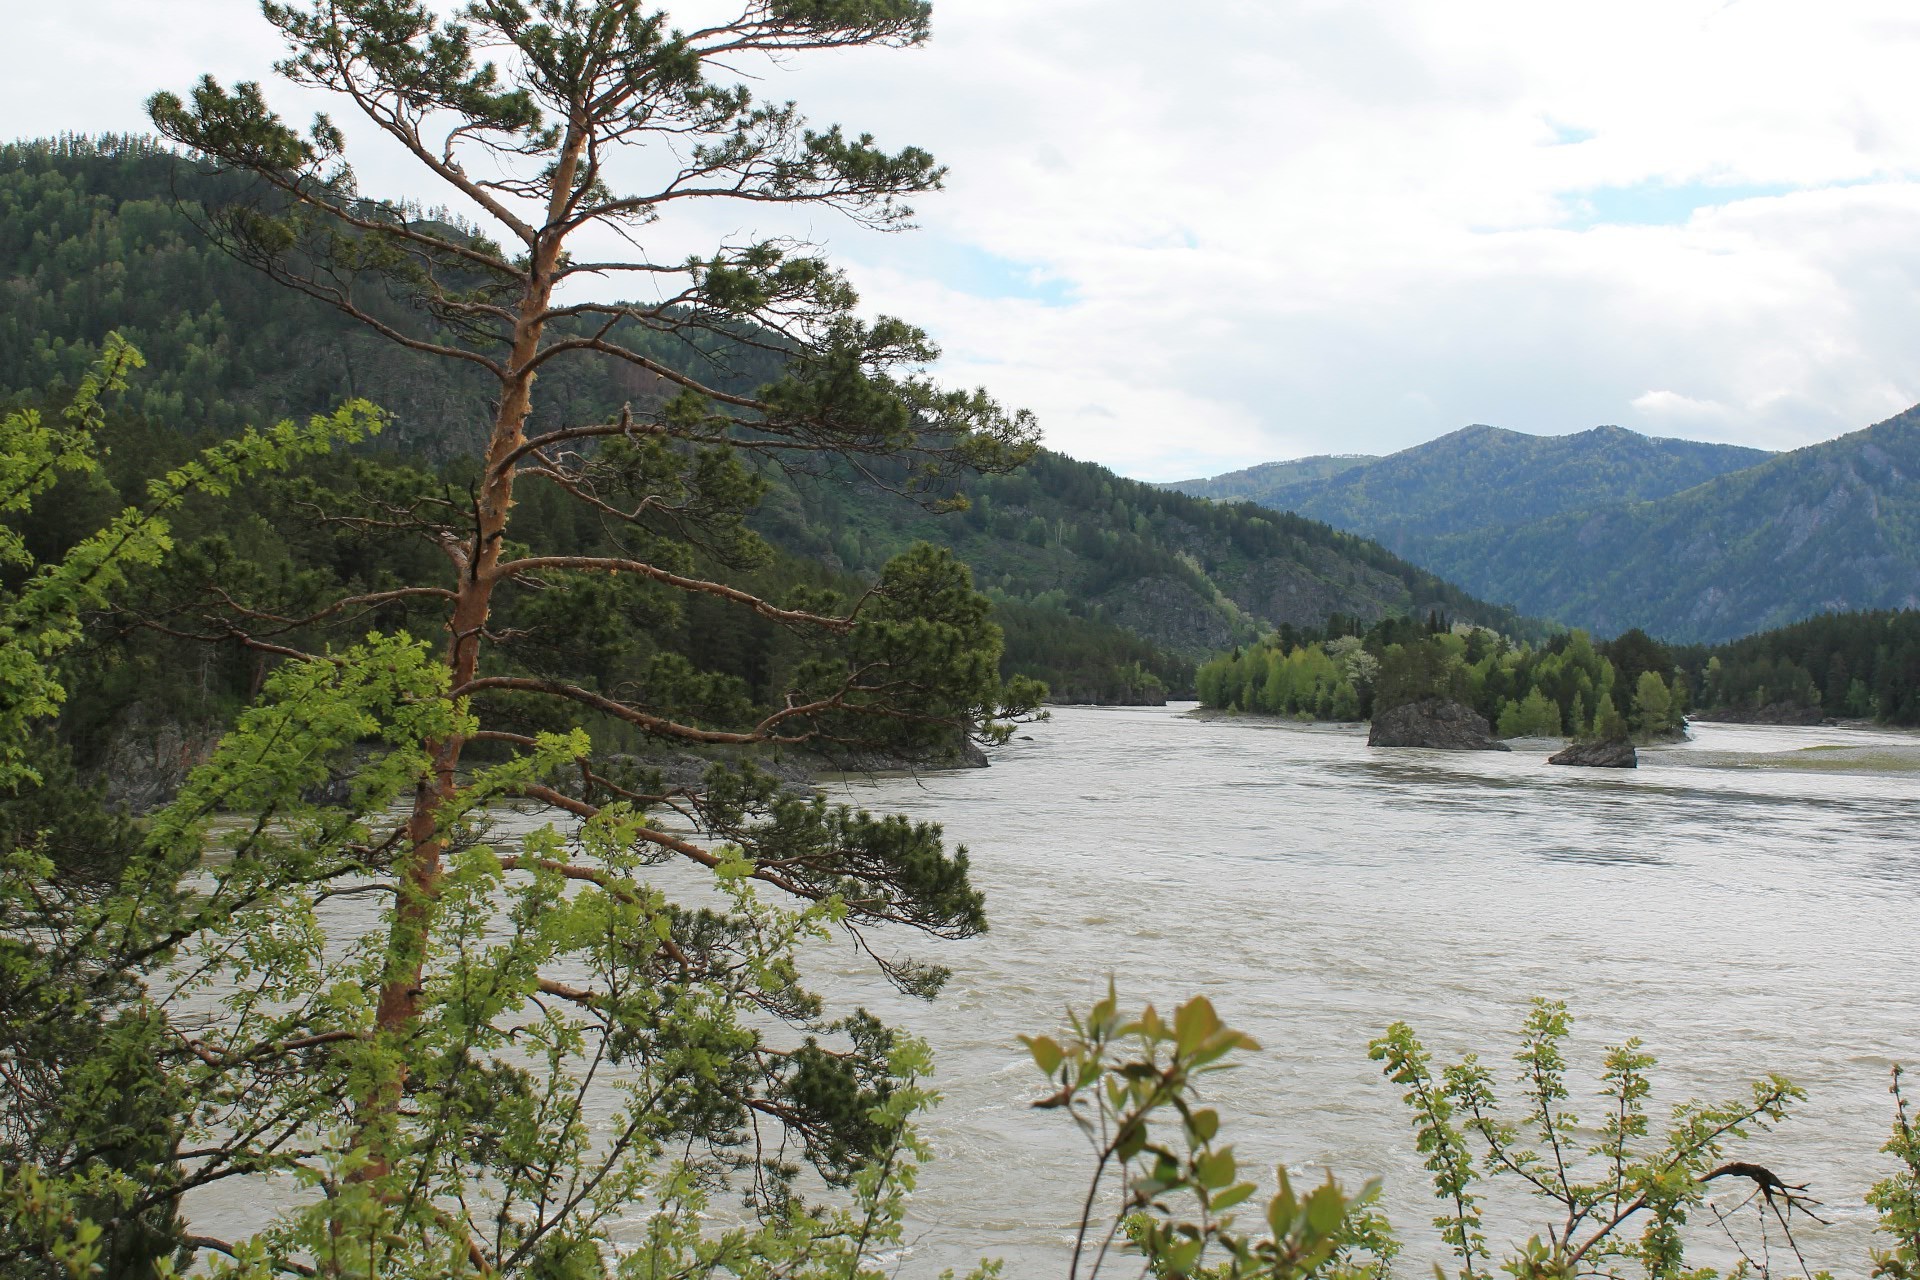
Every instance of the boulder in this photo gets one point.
(1439, 723)
(682, 770)
(1617, 754)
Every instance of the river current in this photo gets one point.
(1744, 902)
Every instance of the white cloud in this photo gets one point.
(1674, 407)
(1261, 228)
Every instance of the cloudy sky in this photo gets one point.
(1196, 237)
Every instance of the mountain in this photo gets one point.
(1482, 477)
(1272, 484)
(1191, 576)
(1100, 580)
(1834, 526)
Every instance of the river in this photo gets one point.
(1744, 902)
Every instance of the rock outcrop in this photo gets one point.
(1617, 754)
(1437, 723)
(150, 757)
(962, 754)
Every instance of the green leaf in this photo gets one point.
(1215, 1169)
(1047, 1053)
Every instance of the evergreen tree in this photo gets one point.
(451, 1043)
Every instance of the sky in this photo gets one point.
(1193, 238)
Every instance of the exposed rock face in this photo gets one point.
(149, 760)
(1439, 723)
(1099, 694)
(687, 770)
(1617, 754)
(1169, 612)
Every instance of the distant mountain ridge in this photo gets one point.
(1482, 477)
(1269, 481)
(1607, 529)
(1832, 527)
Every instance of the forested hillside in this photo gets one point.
(1832, 527)
(1107, 588)
(1480, 477)
(1272, 484)
(1609, 530)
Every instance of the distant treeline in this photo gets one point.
(1843, 665)
(1846, 665)
(1567, 686)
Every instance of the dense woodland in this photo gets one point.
(1567, 686)
(1841, 666)
(1109, 589)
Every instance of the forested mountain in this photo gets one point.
(1106, 587)
(1480, 477)
(1610, 530)
(1189, 575)
(1835, 526)
(1273, 484)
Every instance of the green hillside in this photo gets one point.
(1272, 484)
(1482, 477)
(1609, 530)
(1106, 586)
(1832, 527)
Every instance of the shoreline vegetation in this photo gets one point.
(1569, 686)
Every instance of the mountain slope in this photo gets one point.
(1191, 576)
(1482, 477)
(1085, 562)
(1272, 484)
(1835, 526)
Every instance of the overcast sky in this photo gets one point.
(1196, 237)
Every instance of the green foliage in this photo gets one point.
(1130, 1085)
(1653, 706)
(1897, 1196)
(1621, 1192)
(1608, 724)
(1548, 691)
(1846, 665)
(1534, 716)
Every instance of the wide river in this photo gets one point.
(1745, 902)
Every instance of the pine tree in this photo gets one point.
(452, 1044)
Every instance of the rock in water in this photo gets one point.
(1618, 754)
(1440, 723)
